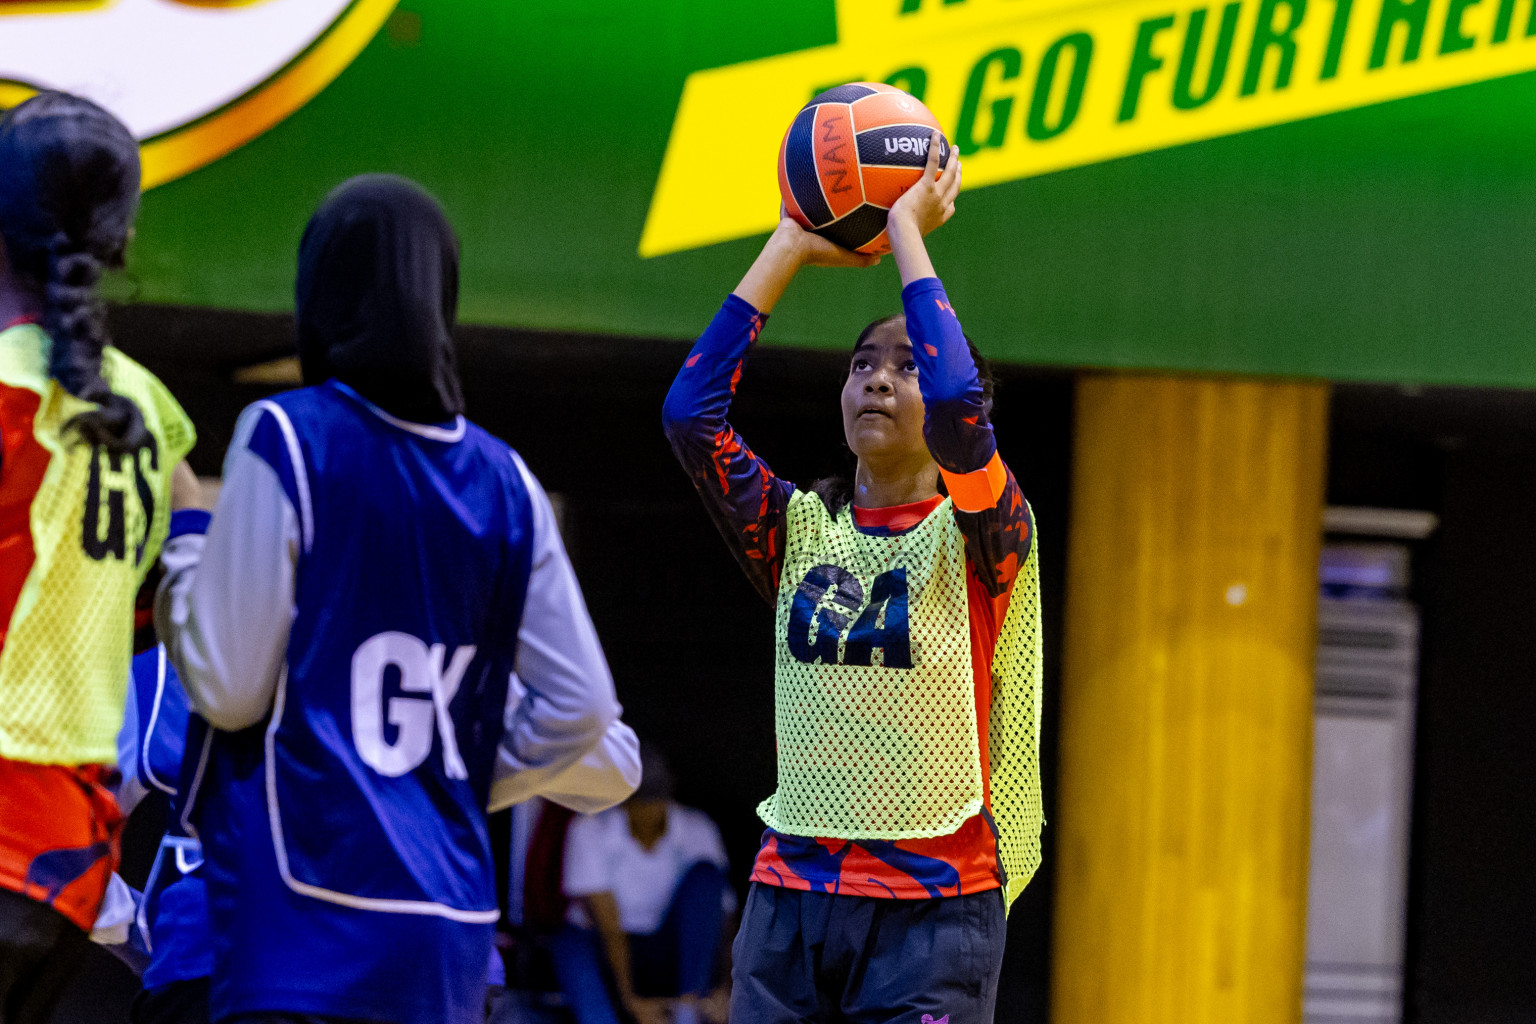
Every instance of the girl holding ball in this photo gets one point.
(906, 647)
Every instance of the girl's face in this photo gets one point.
(882, 407)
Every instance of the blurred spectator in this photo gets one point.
(648, 911)
(536, 902)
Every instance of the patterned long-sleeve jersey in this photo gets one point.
(747, 501)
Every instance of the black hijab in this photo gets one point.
(377, 296)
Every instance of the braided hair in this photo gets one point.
(837, 491)
(69, 190)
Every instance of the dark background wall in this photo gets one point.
(1470, 457)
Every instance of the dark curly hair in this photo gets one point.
(837, 491)
(69, 191)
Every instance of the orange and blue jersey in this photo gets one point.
(748, 503)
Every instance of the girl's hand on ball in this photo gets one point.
(816, 251)
(789, 248)
(812, 250)
(920, 209)
(931, 201)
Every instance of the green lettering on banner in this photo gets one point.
(1266, 37)
(1411, 14)
(1143, 63)
(1082, 52)
(1341, 9)
(1183, 95)
(913, 6)
(1012, 63)
(913, 80)
(1453, 40)
(1506, 15)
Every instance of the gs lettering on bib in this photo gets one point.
(104, 524)
(874, 690)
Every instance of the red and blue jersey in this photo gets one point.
(748, 502)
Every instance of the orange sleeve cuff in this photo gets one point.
(979, 490)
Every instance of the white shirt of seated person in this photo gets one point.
(601, 855)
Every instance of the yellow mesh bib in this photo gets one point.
(877, 740)
(874, 692)
(97, 526)
(1013, 738)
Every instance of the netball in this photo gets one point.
(849, 154)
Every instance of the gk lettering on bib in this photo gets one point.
(874, 690)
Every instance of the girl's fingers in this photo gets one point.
(951, 168)
(933, 154)
(950, 183)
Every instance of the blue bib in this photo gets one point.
(349, 861)
(172, 915)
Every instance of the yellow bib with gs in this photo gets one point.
(97, 523)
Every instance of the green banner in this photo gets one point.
(1029, 89)
(1369, 223)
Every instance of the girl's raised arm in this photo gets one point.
(989, 506)
(743, 496)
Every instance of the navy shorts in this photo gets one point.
(815, 957)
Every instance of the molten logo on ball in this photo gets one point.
(907, 145)
(192, 79)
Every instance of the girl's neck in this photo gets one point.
(886, 484)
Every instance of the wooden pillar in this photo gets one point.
(1186, 711)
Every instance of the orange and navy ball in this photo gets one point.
(850, 153)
